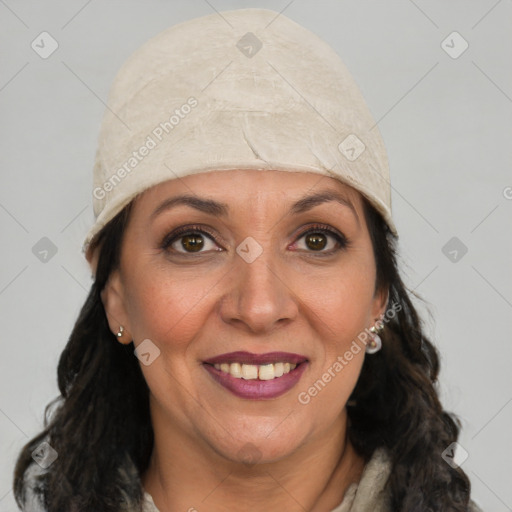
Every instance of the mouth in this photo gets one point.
(257, 376)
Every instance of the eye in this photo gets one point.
(319, 239)
(322, 239)
(189, 240)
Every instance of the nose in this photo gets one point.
(261, 297)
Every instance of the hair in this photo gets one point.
(101, 428)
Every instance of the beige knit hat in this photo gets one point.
(243, 89)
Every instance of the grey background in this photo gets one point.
(446, 123)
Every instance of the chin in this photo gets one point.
(259, 448)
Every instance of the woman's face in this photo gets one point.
(259, 278)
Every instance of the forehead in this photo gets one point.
(241, 188)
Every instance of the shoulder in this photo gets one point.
(33, 501)
(148, 503)
(372, 492)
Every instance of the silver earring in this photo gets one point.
(375, 343)
(120, 333)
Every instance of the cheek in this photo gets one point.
(341, 300)
(167, 305)
(170, 309)
(324, 394)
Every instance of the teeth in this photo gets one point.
(266, 372)
(249, 371)
(254, 371)
(234, 369)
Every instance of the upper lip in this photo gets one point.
(250, 358)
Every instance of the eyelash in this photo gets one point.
(169, 239)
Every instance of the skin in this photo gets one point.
(194, 306)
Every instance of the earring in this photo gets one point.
(375, 343)
(120, 333)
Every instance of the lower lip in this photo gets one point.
(257, 389)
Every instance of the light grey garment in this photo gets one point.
(369, 495)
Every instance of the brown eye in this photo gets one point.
(322, 240)
(189, 240)
(192, 243)
(316, 241)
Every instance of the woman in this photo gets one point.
(280, 363)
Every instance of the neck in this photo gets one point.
(186, 474)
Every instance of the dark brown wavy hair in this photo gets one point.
(101, 429)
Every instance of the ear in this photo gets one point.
(380, 302)
(113, 298)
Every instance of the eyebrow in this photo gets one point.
(323, 196)
(219, 209)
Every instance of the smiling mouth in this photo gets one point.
(256, 371)
(250, 366)
(257, 376)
